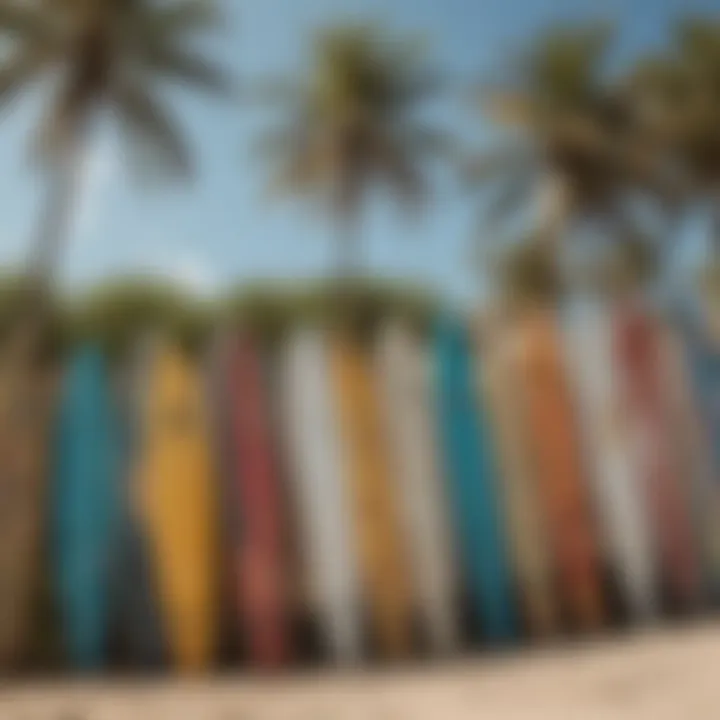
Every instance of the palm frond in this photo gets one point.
(26, 21)
(398, 164)
(567, 64)
(179, 65)
(488, 167)
(351, 122)
(20, 69)
(150, 123)
(175, 19)
(510, 108)
(699, 39)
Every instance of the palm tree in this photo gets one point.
(352, 124)
(574, 144)
(101, 55)
(680, 92)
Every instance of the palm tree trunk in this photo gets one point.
(554, 201)
(52, 232)
(348, 262)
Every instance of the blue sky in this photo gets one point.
(222, 229)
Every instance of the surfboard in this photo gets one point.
(558, 466)
(260, 553)
(85, 509)
(319, 493)
(695, 468)
(177, 495)
(647, 409)
(701, 364)
(137, 623)
(408, 407)
(216, 367)
(528, 537)
(27, 394)
(471, 471)
(383, 559)
(615, 483)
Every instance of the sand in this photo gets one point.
(650, 675)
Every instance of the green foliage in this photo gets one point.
(528, 272)
(572, 127)
(353, 124)
(358, 306)
(682, 87)
(109, 55)
(118, 314)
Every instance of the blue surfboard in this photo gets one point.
(85, 509)
(471, 473)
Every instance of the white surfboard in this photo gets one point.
(402, 368)
(500, 379)
(616, 486)
(318, 489)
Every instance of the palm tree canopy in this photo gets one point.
(682, 92)
(573, 125)
(108, 54)
(351, 123)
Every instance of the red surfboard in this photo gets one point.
(259, 553)
(648, 412)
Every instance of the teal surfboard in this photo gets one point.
(471, 473)
(86, 509)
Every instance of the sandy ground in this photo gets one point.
(648, 676)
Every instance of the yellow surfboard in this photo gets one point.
(177, 496)
(383, 565)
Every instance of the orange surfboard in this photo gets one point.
(502, 385)
(559, 472)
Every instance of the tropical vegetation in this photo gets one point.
(352, 124)
(103, 57)
(591, 153)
